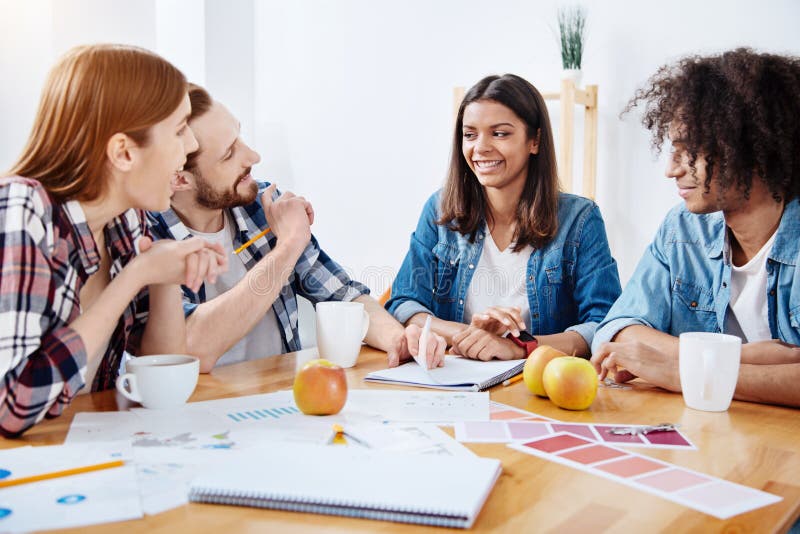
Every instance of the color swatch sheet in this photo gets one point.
(71, 501)
(511, 424)
(711, 495)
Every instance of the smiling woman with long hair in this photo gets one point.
(81, 280)
(499, 249)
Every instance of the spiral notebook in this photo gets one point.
(354, 482)
(457, 374)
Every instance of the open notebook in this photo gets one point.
(351, 481)
(457, 374)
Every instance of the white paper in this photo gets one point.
(172, 446)
(457, 373)
(363, 405)
(78, 500)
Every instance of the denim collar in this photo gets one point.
(786, 246)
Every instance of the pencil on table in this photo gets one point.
(64, 473)
(253, 240)
(513, 379)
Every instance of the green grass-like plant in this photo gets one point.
(572, 30)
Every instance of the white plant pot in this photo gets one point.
(572, 74)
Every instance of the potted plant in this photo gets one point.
(572, 34)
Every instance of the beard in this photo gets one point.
(212, 199)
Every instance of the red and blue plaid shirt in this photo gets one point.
(47, 253)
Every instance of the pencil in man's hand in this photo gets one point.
(253, 240)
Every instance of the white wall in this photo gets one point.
(349, 101)
(355, 100)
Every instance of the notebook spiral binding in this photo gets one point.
(500, 378)
(429, 516)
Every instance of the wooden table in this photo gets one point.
(751, 444)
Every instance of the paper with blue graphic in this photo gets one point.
(72, 501)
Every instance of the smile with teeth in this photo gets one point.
(487, 164)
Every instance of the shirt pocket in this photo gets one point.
(693, 308)
(557, 290)
(448, 259)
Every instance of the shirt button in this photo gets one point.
(535, 315)
(460, 301)
(471, 266)
(530, 277)
(452, 262)
(772, 293)
(724, 284)
(693, 304)
(480, 236)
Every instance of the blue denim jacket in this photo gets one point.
(682, 284)
(572, 281)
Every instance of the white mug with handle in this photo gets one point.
(341, 327)
(160, 381)
(709, 369)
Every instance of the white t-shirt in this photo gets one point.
(499, 280)
(265, 338)
(749, 295)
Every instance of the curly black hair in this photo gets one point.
(739, 109)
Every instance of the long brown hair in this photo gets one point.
(92, 93)
(463, 203)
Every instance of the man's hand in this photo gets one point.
(478, 344)
(770, 352)
(406, 346)
(289, 217)
(626, 360)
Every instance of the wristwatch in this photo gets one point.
(526, 341)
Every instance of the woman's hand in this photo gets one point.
(186, 262)
(498, 320)
(479, 344)
(407, 346)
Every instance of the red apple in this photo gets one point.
(570, 382)
(320, 388)
(534, 367)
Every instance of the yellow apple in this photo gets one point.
(570, 382)
(320, 388)
(534, 367)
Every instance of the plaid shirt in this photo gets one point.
(47, 253)
(316, 276)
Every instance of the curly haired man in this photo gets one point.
(726, 259)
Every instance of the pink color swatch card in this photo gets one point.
(495, 431)
(503, 412)
(707, 494)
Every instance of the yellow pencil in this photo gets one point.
(513, 379)
(250, 242)
(64, 473)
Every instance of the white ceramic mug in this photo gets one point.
(161, 381)
(341, 327)
(709, 369)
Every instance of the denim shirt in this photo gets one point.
(571, 282)
(682, 284)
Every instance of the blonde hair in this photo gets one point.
(92, 93)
